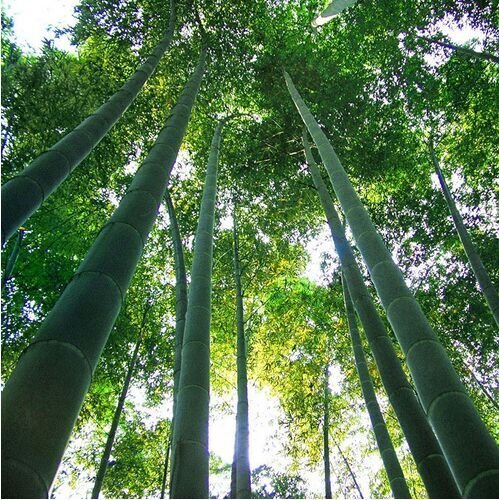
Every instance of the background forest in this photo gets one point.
(387, 95)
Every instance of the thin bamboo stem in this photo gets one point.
(481, 274)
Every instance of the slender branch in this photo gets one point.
(461, 50)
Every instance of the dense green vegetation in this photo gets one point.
(89, 280)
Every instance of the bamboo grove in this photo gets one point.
(161, 198)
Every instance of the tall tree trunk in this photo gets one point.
(325, 432)
(393, 469)
(54, 372)
(24, 193)
(11, 261)
(119, 408)
(468, 447)
(180, 294)
(424, 447)
(190, 455)
(243, 475)
(481, 275)
(180, 312)
(461, 50)
(232, 492)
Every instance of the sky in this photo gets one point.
(33, 20)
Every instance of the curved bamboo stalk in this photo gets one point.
(189, 476)
(481, 274)
(23, 194)
(424, 447)
(54, 372)
(467, 445)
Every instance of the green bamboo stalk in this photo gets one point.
(467, 445)
(11, 261)
(180, 294)
(42, 398)
(101, 472)
(325, 433)
(233, 468)
(424, 447)
(165, 465)
(23, 194)
(190, 456)
(393, 469)
(481, 275)
(180, 312)
(243, 474)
